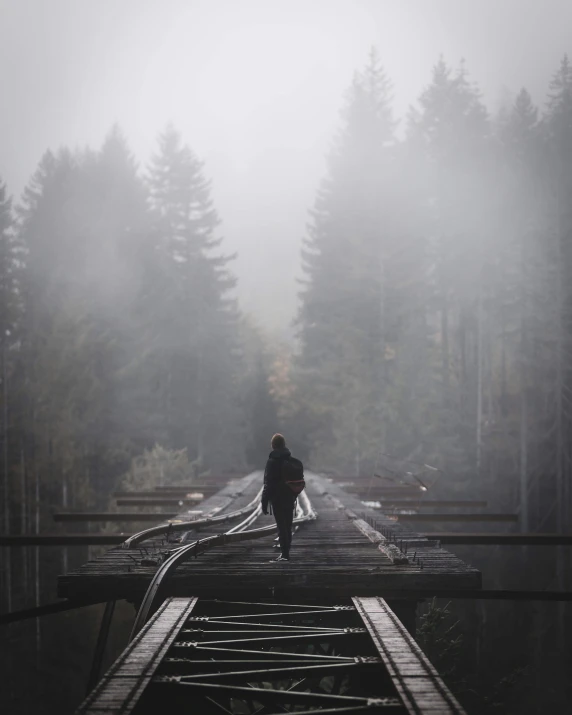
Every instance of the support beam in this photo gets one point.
(448, 537)
(453, 517)
(431, 503)
(100, 646)
(46, 610)
(477, 594)
(377, 492)
(159, 501)
(414, 677)
(124, 683)
(216, 485)
(183, 492)
(157, 518)
(62, 539)
(445, 537)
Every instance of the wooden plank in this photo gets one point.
(329, 553)
(395, 555)
(419, 503)
(454, 517)
(62, 539)
(113, 516)
(214, 486)
(122, 686)
(164, 494)
(383, 491)
(479, 594)
(448, 537)
(158, 501)
(415, 679)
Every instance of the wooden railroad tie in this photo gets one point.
(444, 537)
(159, 501)
(419, 503)
(155, 517)
(163, 516)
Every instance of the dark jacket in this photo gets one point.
(274, 488)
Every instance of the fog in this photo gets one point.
(346, 221)
(255, 89)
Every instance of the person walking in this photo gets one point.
(283, 480)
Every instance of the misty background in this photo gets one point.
(346, 221)
(254, 87)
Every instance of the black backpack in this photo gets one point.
(293, 475)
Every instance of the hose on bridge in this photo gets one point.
(304, 513)
(171, 526)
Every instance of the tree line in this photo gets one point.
(119, 331)
(435, 318)
(434, 321)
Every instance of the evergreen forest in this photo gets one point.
(434, 322)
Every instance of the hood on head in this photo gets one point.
(282, 453)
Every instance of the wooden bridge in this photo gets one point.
(348, 550)
(329, 631)
(222, 627)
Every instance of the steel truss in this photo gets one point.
(266, 658)
(246, 658)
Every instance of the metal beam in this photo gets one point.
(266, 671)
(46, 610)
(272, 696)
(100, 645)
(276, 639)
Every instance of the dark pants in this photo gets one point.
(283, 511)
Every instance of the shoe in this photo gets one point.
(281, 558)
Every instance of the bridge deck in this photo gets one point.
(338, 552)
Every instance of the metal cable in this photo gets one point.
(304, 512)
(189, 525)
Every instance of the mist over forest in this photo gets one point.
(433, 321)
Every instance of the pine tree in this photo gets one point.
(520, 302)
(559, 134)
(82, 223)
(341, 320)
(258, 405)
(119, 235)
(9, 323)
(450, 133)
(201, 334)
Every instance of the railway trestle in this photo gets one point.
(223, 656)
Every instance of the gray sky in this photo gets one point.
(254, 86)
